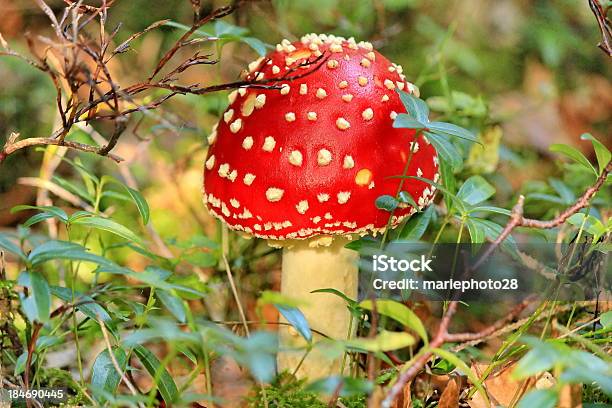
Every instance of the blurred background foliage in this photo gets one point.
(521, 74)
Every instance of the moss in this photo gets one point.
(286, 392)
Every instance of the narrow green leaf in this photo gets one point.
(475, 190)
(386, 203)
(173, 303)
(55, 211)
(165, 385)
(415, 107)
(259, 46)
(7, 243)
(601, 151)
(141, 203)
(477, 234)
(566, 194)
(37, 305)
(458, 202)
(447, 151)
(461, 366)
(36, 218)
(398, 312)
(384, 341)
(573, 154)
(52, 250)
(296, 318)
(106, 224)
(443, 128)
(86, 305)
(490, 208)
(348, 300)
(104, 374)
(406, 198)
(416, 226)
(405, 121)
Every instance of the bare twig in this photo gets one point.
(518, 220)
(111, 355)
(76, 62)
(604, 26)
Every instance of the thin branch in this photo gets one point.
(604, 26)
(43, 141)
(518, 220)
(111, 355)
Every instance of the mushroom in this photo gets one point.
(302, 164)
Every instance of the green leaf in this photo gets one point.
(296, 318)
(20, 364)
(405, 121)
(415, 107)
(477, 233)
(55, 211)
(104, 374)
(447, 151)
(492, 231)
(348, 300)
(386, 203)
(384, 341)
(406, 198)
(566, 194)
(86, 305)
(591, 224)
(36, 218)
(475, 190)
(173, 303)
(106, 224)
(606, 319)
(259, 46)
(601, 151)
(165, 384)
(398, 312)
(258, 353)
(573, 154)
(448, 129)
(490, 208)
(52, 250)
(458, 202)
(416, 226)
(463, 368)
(546, 197)
(546, 398)
(74, 189)
(141, 203)
(37, 305)
(7, 243)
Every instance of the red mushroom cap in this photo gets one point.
(312, 157)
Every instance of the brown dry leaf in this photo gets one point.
(504, 390)
(450, 395)
(500, 386)
(404, 400)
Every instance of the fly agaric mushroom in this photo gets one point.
(303, 163)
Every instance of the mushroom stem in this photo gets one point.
(304, 270)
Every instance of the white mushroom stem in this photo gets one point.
(304, 270)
